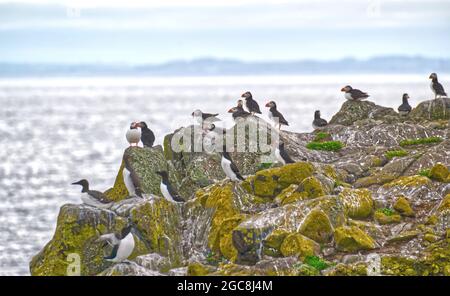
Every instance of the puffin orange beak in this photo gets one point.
(430, 77)
(343, 89)
(230, 111)
(243, 95)
(268, 105)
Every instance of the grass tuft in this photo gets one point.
(425, 173)
(395, 153)
(316, 262)
(421, 141)
(325, 146)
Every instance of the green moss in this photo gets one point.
(325, 146)
(352, 239)
(198, 269)
(439, 172)
(386, 216)
(264, 166)
(425, 173)
(445, 204)
(357, 269)
(290, 195)
(395, 153)
(316, 262)
(322, 136)
(420, 141)
(358, 203)
(270, 182)
(312, 187)
(272, 243)
(409, 181)
(226, 246)
(119, 190)
(317, 226)
(402, 206)
(298, 245)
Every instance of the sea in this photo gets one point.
(56, 130)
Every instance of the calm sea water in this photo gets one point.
(55, 131)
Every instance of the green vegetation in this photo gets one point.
(321, 136)
(263, 166)
(387, 211)
(425, 173)
(325, 146)
(395, 153)
(316, 262)
(429, 140)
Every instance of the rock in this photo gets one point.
(404, 236)
(352, 239)
(357, 269)
(272, 243)
(352, 111)
(383, 218)
(402, 206)
(432, 110)
(296, 244)
(440, 173)
(358, 203)
(198, 269)
(129, 269)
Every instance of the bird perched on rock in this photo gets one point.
(318, 122)
(436, 87)
(199, 117)
(229, 167)
(122, 243)
(275, 115)
(252, 105)
(405, 107)
(167, 189)
(239, 112)
(131, 181)
(133, 135)
(93, 197)
(352, 94)
(281, 154)
(147, 135)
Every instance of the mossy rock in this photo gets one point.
(444, 206)
(439, 172)
(352, 111)
(119, 191)
(198, 269)
(375, 179)
(432, 110)
(226, 246)
(402, 206)
(317, 226)
(358, 203)
(77, 229)
(312, 187)
(409, 181)
(272, 243)
(296, 244)
(341, 269)
(270, 182)
(290, 194)
(382, 218)
(352, 239)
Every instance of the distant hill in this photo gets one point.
(211, 67)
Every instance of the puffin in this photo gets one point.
(130, 179)
(122, 243)
(93, 197)
(167, 189)
(436, 87)
(229, 167)
(252, 105)
(281, 154)
(147, 135)
(275, 115)
(239, 112)
(405, 107)
(318, 122)
(133, 135)
(199, 116)
(352, 94)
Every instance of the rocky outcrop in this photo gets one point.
(379, 205)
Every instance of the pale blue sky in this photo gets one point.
(156, 31)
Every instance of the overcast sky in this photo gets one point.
(151, 31)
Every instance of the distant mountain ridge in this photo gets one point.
(215, 67)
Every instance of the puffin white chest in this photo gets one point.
(432, 87)
(278, 156)
(128, 181)
(348, 96)
(271, 115)
(125, 249)
(165, 192)
(133, 136)
(226, 166)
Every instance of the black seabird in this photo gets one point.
(122, 243)
(252, 105)
(167, 189)
(199, 116)
(405, 107)
(281, 154)
(133, 135)
(436, 87)
(352, 94)
(229, 168)
(275, 115)
(147, 135)
(130, 179)
(239, 112)
(318, 122)
(93, 197)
